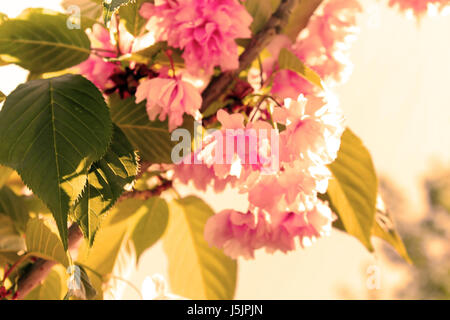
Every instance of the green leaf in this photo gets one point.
(107, 179)
(39, 40)
(10, 240)
(353, 188)
(44, 243)
(52, 288)
(104, 253)
(110, 7)
(261, 11)
(14, 207)
(288, 60)
(196, 270)
(52, 130)
(5, 173)
(151, 138)
(299, 17)
(133, 21)
(384, 228)
(151, 225)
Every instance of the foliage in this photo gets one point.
(90, 155)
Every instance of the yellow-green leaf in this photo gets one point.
(10, 240)
(288, 60)
(151, 225)
(51, 131)
(5, 173)
(15, 207)
(384, 228)
(39, 40)
(43, 242)
(353, 188)
(196, 270)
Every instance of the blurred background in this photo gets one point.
(398, 101)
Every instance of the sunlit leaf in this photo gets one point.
(10, 239)
(42, 242)
(151, 225)
(384, 228)
(133, 21)
(300, 16)
(288, 60)
(110, 7)
(261, 11)
(52, 130)
(106, 182)
(196, 270)
(14, 207)
(151, 138)
(353, 188)
(5, 173)
(40, 41)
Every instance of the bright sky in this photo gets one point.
(397, 100)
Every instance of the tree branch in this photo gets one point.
(41, 268)
(273, 27)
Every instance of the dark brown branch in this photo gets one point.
(41, 268)
(273, 27)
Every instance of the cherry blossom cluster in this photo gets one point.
(322, 46)
(282, 182)
(277, 153)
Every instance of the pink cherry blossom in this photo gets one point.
(237, 233)
(205, 29)
(313, 129)
(323, 46)
(241, 234)
(169, 97)
(418, 7)
(291, 229)
(95, 68)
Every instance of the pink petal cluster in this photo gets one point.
(169, 97)
(283, 181)
(322, 46)
(95, 68)
(418, 7)
(240, 234)
(205, 29)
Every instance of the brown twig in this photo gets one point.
(41, 268)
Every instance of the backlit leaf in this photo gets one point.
(288, 60)
(106, 181)
(196, 270)
(44, 243)
(151, 224)
(52, 130)
(13, 206)
(40, 41)
(353, 188)
(151, 138)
